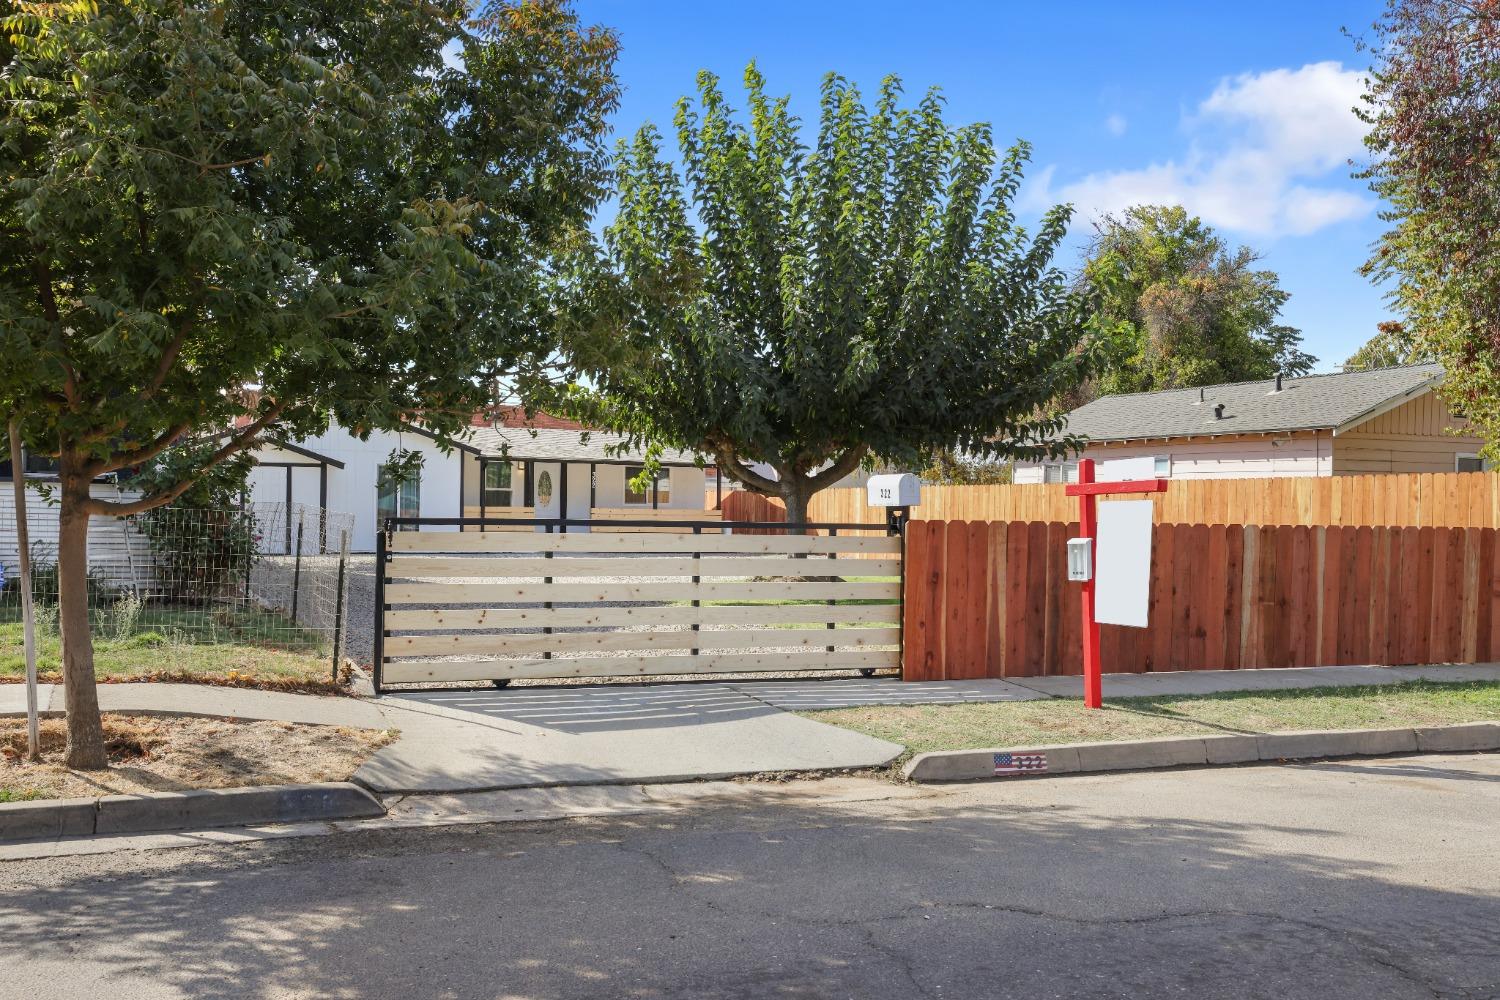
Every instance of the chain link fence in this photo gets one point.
(269, 575)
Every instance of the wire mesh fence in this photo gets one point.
(269, 575)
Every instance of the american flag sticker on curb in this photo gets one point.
(1008, 764)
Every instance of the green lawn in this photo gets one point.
(149, 654)
(921, 728)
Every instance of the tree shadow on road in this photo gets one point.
(1030, 892)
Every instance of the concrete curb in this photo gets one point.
(1189, 751)
(194, 810)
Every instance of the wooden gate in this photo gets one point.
(455, 603)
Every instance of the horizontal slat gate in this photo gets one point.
(461, 605)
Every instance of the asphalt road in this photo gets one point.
(1355, 879)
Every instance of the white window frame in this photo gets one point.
(415, 484)
(1067, 470)
(485, 489)
(1163, 468)
(1485, 465)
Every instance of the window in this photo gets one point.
(496, 484)
(1163, 466)
(36, 465)
(1059, 472)
(393, 499)
(1470, 463)
(663, 486)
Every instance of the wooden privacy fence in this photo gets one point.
(503, 605)
(992, 599)
(1427, 499)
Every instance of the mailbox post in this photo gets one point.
(898, 493)
(1087, 491)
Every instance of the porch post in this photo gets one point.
(482, 515)
(289, 509)
(562, 492)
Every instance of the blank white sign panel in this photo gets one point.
(1122, 563)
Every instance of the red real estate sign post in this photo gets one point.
(1087, 491)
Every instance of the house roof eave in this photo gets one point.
(1395, 402)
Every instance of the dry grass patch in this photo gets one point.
(150, 753)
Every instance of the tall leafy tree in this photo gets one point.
(949, 468)
(1187, 308)
(223, 218)
(1393, 344)
(805, 308)
(1433, 105)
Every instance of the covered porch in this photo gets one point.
(584, 476)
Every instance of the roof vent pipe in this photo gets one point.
(1201, 396)
(1219, 412)
(1278, 381)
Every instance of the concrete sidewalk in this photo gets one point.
(616, 734)
(535, 737)
(465, 741)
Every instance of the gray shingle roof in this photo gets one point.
(1313, 402)
(574, 446)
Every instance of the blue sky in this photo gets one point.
(1239, 111)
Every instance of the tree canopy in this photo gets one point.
(1433, 105)
(1186, 308)
(1393, 344)
(226, 218)
(806, 307)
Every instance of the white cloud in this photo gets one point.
(1265, 155)
(1116, 124)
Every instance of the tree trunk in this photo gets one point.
(85, 749)
(795, 495)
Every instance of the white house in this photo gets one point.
(1377, 420)
(116, 548)
(493, 472)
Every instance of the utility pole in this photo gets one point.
(28, 613)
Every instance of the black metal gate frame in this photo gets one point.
(894, 525)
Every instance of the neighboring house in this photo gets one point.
(118, 552)
(1379, 420)
(495, 471)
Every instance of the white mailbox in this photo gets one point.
(901, 489)
(1080, 559)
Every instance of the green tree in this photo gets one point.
(231, 218)
(1433, 106)
(1393, 344)
(948, 468)
(869, 297)
(1187, 309)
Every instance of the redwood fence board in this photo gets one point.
(992, 599)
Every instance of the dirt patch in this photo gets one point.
(172, 754)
